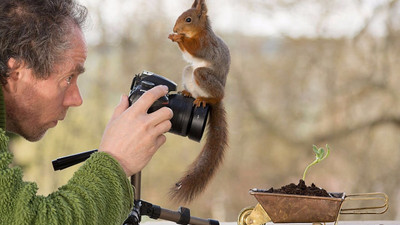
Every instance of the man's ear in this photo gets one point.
(16, 71)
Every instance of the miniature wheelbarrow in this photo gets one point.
(286, 208)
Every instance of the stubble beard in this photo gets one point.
(19, 125)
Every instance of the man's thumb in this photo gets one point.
(121, 107)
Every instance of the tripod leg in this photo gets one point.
(136, 182)
(142, 208)
(135, 217)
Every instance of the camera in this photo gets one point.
(188, 120)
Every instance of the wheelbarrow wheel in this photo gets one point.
(244, 214)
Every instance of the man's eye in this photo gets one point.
(69, 79)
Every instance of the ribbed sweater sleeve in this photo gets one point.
(98, 193)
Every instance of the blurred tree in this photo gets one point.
(284, 94)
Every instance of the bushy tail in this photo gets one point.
(203, 168)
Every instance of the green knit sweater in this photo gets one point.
(98, 193)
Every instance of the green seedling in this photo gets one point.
(320, 155)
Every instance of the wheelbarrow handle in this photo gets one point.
(380, 206)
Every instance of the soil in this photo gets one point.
(301, 189)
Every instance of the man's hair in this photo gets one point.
(35, 32)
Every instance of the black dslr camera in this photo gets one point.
(188, 120)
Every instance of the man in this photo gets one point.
(42, 53)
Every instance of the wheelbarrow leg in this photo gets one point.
(253, 216)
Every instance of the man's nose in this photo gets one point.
(73, 97)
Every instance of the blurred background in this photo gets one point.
(303, 72)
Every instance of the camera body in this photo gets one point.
(188, 120)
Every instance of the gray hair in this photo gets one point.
(34, 32)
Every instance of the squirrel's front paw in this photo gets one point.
(175, 37)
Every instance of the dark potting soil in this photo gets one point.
(300, 189)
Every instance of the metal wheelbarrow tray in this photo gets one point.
(290, 208)
(285, 208)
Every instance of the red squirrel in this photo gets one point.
(204, 79)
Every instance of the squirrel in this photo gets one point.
(203, 79)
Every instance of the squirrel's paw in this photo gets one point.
(186, 93)
(198, 102)
(175, 37)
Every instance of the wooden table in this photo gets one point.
(381, 222)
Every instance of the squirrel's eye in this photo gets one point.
(188, 20)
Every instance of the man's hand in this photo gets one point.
(133, 136)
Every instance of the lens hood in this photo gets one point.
(188, 120)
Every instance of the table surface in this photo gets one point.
(380, 222)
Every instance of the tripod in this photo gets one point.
(140, 208)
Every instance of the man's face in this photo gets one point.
(35, 105)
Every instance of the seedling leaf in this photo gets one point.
(320, 155)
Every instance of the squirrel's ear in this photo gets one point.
(201, 6)
(195, 4)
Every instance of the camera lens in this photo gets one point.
(188, 120)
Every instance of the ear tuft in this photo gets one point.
(202, 7)
(195, 4)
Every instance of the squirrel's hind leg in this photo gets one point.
(208, 81)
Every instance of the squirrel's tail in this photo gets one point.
(203, 168)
